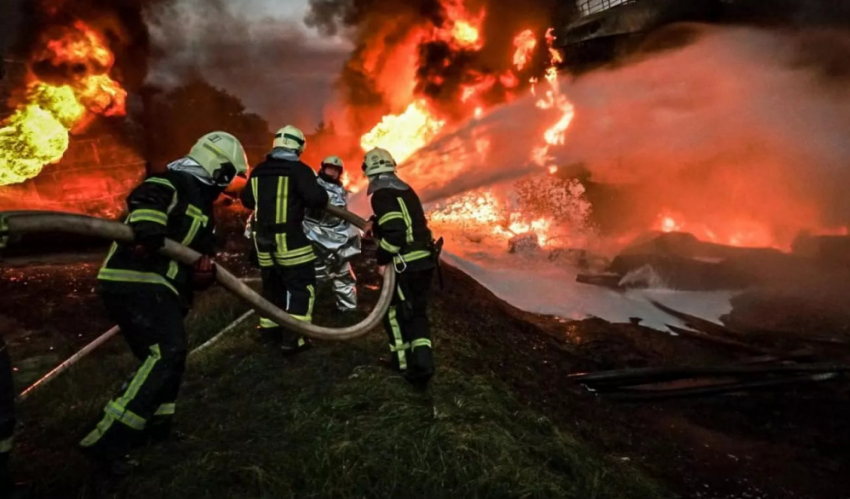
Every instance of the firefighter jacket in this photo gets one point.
(329, 232)
(400, 225)
(279, 191)
(177, 205)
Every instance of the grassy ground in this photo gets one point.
(331, 422)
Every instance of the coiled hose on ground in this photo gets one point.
(26, 222)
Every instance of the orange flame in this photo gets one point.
(37, 133)
(405, 133)
(464, 29)
(414, 128)
(553, 99)
(525, 43)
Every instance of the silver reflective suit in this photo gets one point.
(335, 243)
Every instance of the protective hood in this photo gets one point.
(191, 167)
(328, 179)
(285, 154)
(386, 181)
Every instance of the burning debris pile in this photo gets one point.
(552, 211)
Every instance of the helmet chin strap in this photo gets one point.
(224, 175)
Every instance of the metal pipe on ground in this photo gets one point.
(100, 340)
(11, 224)
(717, 340)
(230, 327)
(631, 377)
(716, 389)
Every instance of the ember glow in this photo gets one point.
(488, 214)
(37, 133)
(736, 232)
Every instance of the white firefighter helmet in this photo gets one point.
(334, 161)
(221, 155)
(378, 161)
(291, 138)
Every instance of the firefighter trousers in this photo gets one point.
(331, 269)
(151, 321)
(292, 289)
(7, 413)
(407, 325)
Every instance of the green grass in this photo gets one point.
(331, 422)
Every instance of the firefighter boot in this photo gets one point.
(269, 335)
(294, 343)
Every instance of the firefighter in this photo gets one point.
(279, 191)
(405, 245)
(148, 295)
(335, 241)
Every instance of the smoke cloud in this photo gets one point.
(10, 23)
(276, 67)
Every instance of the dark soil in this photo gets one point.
(781, 444)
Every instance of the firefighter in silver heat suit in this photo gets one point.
(335, 241)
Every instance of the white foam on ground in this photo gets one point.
(534, 284)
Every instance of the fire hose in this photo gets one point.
(18, 223)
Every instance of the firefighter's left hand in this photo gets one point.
(382, 269)
(369, 230)
(204, 274)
